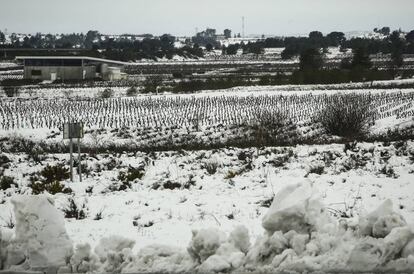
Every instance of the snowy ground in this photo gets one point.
(95, 92)
(237, 200)
(182, 191)
(163, 202)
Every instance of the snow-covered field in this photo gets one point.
(208, 117)
(329, 207)
(222, 190)
(95, 92)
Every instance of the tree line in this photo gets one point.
(120, 48)
(149, 47)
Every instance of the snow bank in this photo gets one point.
(299, 236)
(297, 207)
(381, 221)
(160, 259)
(40, 240)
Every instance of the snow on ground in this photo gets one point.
(335, 53)
(317, 220)
(7, 64)
(94, 92)
(211, 210)
(348, 183)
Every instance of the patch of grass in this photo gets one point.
(266, 203)
(99, 216)
(388, 171)
(280, 160)
(131, 174)
(211, 167)
(73, 211)
(231, 174)
(317, 169)
(171, 185)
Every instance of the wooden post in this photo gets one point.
(71, 158)
(80, 162)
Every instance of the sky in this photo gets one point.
(183, 17)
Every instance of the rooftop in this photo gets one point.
(101, 60)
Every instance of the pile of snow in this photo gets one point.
(40, 240)
(298, 208)
(299, 236)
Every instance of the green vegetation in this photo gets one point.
(49, 179)
(6, 182)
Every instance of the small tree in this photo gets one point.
(385, 31)
(315, 35)
(335, 38)
(231, 49)
(311, 59)
(11, 91)
(151, 85)
(361, 58)
(209, 47)
(107, 93)
(132, 91)
(397, 57)
(397, 49)
(410, 37)
(2, 37)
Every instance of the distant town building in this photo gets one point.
(71, 68)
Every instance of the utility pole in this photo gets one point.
(243, 27)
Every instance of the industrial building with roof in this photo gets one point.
(71, 68)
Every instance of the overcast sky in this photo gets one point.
(182, 17)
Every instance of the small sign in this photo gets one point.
(72, 130)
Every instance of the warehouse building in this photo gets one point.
(71, 68)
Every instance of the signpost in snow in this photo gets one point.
(71, 131)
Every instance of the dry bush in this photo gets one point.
(74, 211)
(49, 179)
(347, 115)
(106, 93)
(6, 182)
(270, 127)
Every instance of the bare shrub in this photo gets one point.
(49, 179)
(132, 91)
(99, 215)
(347, 115)
(211, 166)
(11, 91)
(106, 93)
(269, 127)
(55, 173)
(33, 150)
(75, 211)
(6, 182)
(126, 177)
(231, 174)
(8, 222)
